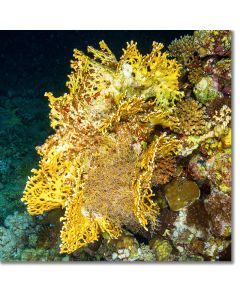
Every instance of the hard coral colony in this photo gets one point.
(123, 131)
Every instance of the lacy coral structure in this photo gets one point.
(98, 166)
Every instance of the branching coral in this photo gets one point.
(192, 118)
(218, 136)
(221, 121)
(183, 49)
(164, 169)
(94, 166)
(48, 188)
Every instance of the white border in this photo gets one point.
(122, 14)
(104, 281)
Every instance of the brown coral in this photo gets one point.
(164, 169)
(197, 216)
(192, 118)
(218, 206)
(183, 49)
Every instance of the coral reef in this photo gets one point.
(138, 165)
(195, 242)
(213, 42)
(197, 167)
(21, 239)
(18, 231)
(206, 61)
(125, 250)
(127, 246)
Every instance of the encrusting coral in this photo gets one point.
(161, 248)
(181, 192)
(219, 170)
(218, 206)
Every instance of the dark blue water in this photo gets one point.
(39, 60)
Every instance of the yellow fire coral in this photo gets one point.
(94, 166)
